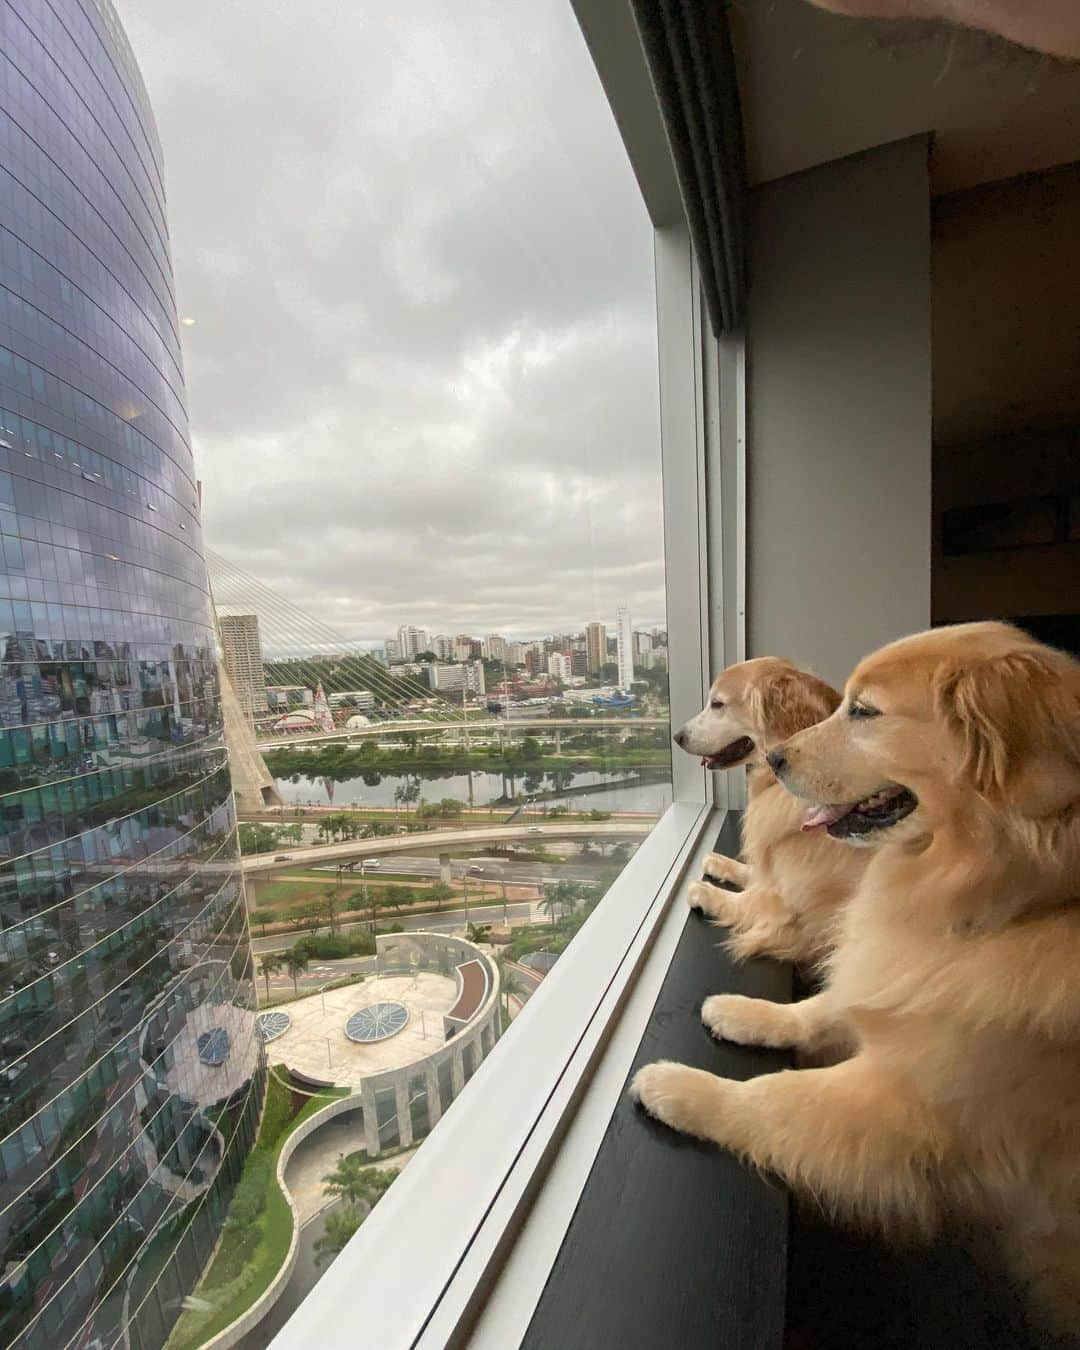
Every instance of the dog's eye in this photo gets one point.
(862, 710)
(717, 703)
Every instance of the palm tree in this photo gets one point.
(347, 1180)
(477, 932)
(296, 962)
(509, 982)
(340, 1226)
(269, 964)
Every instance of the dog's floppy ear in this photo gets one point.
(786, 701)
(1016, 718)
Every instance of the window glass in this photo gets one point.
(420, 339)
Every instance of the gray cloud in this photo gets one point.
(422, 379)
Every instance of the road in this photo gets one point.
(444, 921)
(486, 869)
(444, 841)
(496, 725)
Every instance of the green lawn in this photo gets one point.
(288, 891)
(244, 1267)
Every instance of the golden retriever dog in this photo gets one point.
(793, 881)
(954, 760)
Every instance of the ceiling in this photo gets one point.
(817, 86)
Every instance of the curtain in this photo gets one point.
(688, 48)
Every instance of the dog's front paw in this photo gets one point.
(686, 1099)
(724, 871)
(747, 1021)
(705, 899)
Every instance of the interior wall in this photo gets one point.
(1006, 351)
(839, 409)
(1006, 307)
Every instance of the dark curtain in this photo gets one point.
(688, 48)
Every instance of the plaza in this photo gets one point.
(317, 1046)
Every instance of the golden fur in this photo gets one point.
(956, 978)
(793, 883)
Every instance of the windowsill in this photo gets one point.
(421, 1267)
(640, 1237)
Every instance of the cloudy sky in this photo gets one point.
(422, 374)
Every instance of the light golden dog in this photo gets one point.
(955, 758)
(794, 881)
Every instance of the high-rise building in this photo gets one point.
(595, 647)
(624, 646)
(241, 651)
(443, 647)
(453, 679)
(493, 647)
(560, 666)
(411, 641)
(132, 1078)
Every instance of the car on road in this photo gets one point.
(283, 857)
(534, 829)
(370, 862)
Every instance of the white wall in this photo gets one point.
(839, 409)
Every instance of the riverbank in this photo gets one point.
(338, 762)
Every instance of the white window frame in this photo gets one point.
(423, 1266)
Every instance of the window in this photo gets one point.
(456, 550)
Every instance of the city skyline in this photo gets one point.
(343, 414)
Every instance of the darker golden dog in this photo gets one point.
(954, 760)
(793, 881)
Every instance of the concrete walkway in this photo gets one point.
(316, 1156)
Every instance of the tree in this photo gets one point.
(355, 1182)
(361, 1188)
(339, 1228)
(398, 897)
(440, 892)
(262, 917)
(327, 907)
(257, 838)
(477, 932)
(509, 982)
(562, 896)
(269, 964)
(306, 916)
(377, 829)
(296, 962)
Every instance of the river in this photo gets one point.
(609, 792)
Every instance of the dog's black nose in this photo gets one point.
(777, 760)
(680, 736)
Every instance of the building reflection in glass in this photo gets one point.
(123, 936)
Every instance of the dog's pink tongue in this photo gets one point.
(819, 816)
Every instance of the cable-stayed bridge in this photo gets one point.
(301, 649)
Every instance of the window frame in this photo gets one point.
(425, 1263)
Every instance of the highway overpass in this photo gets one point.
(443, 841)
(497, 725)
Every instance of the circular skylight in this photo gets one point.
(376, 1022)
(271, 1025)
(213, 1047)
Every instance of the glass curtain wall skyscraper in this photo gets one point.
(130, 1075)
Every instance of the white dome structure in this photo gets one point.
(356, 721)
(297, 720)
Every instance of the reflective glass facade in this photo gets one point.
(123, 936)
